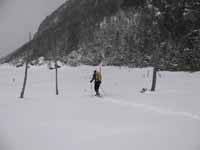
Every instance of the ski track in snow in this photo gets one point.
(150, 108)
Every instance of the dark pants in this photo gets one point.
(96, 86)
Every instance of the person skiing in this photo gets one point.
(97, 81)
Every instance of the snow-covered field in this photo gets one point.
(124, 119)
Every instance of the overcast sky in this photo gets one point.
(19, 17)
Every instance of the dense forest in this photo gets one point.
(134, 33)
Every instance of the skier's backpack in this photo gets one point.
(98, 76)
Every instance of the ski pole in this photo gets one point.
(102, 90)
(91, 89)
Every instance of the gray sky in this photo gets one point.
(19, 17)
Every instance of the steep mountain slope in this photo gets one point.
(66, 25)
(119, 32)
(65, 22)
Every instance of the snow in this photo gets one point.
(124, 119)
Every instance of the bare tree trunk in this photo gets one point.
(56, 68)
(155, 69)
(153, 88)
(26, 71)
(56, 65)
